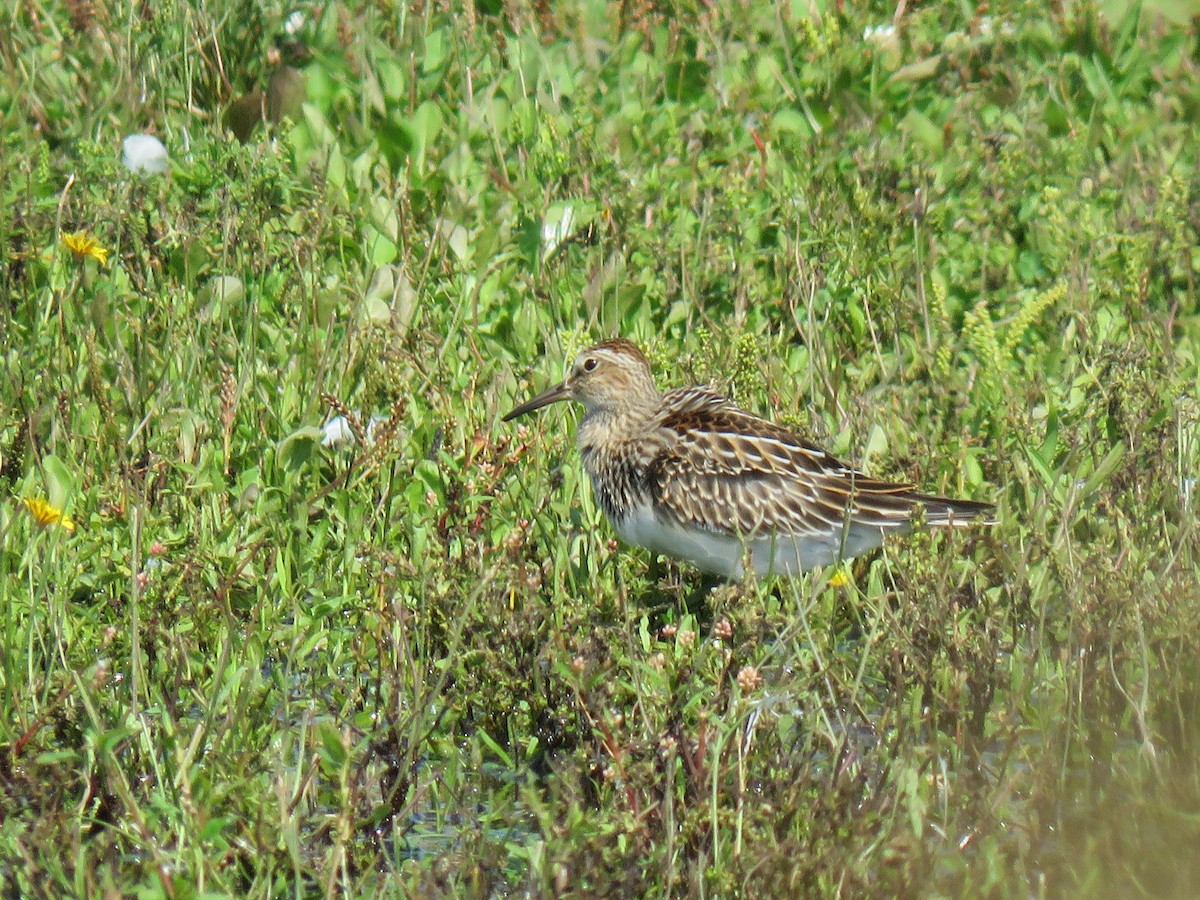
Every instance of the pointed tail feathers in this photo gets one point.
(942, 511)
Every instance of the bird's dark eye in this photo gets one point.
(590, 364)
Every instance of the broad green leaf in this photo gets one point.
(60, 482)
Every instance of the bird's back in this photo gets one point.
(716, 468)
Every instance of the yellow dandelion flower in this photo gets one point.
(839, 579)
(46, 514)
(84, 245)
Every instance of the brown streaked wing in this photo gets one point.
(722, 468)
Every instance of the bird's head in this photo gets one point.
(611, 377)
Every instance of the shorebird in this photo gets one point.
(690, 475)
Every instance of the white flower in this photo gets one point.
(883, 35)
(556, 228)
(294, 23)
(337, 432)
(144, 153)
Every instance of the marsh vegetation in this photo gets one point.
(248, 652)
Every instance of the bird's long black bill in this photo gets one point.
(554, 395)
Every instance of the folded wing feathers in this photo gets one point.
(717, 465)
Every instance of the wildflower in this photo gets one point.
(339, 431)
(84, 245)
(46, 514)
(100, 674)
(336, 432)
(748, 678)
(723, 630)
(880, 35)
(839, 579)
(557, 227)
(144, 153)
(293, 23)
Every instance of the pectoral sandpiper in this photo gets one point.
(690, 475)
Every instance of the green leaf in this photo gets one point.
(60, 483)
(504, 756)
(529, 241)
(212, 828)
(426, 123)
(685, 80)
(923, 129)
(380, 249)
(430, 476)
(435, 51)
(295, 450)
(1106, 467)
(330, 746)
(791, 121)
(395, 142)
(1050, 481)
(106, 742)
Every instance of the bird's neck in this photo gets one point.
(605, 431)
(609, 444)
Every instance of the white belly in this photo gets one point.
(725, 554)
